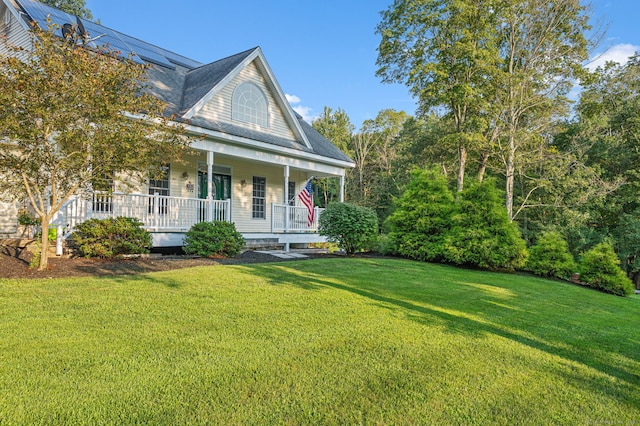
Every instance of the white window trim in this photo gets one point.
(257, 117)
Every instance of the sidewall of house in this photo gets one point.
(9, 219)
(16, 34)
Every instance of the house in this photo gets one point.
(252, 156)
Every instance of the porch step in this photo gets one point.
(264, 244)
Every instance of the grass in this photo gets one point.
(346, 341)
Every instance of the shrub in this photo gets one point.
(550, 257)
(353, 228)
(422, 217)
(600, 268)
(217, 238)
(111, 237)
(482, 234)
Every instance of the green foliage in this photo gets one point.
(353, 228)
(217, 238)
(36, 254)
(482, 234)
(550, 257)
(600, 268)
(74, 7)
(65, 117)
(111, 237)
(422, 217)
(627, 244)
(27, 219)
(385, 245)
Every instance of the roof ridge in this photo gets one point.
(245, 53)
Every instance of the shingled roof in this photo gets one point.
(182, 82)
(181, 89)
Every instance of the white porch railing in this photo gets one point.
(286, 218)
(156, 212)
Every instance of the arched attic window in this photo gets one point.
(250, 105)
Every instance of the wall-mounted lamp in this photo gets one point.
(243, 183)
(185, 175)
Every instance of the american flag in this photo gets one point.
(306, 196)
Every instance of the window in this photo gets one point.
(160, 186)
(250, 105)
(259, 197)
(292, 193)
(103, 186)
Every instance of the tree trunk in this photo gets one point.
(44, 244)
(510, 172)
(462, 156)
(484, 159)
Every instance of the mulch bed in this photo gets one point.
(15, 264)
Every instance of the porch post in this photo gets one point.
(59, 239)
(342, 189)
(156, 210)
(286, 198)
(286, 204)
(210, 186)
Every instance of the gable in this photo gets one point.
(220, 108)
(13, 30)
(200, 95)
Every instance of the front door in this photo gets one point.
(221, 186)
(221, 191)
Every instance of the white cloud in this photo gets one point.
(619, 53)
(292, 99)
(304, 111)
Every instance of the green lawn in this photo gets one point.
(336, 341)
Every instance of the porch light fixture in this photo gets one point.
(185, 175)
(243, 183)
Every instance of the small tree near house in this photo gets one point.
(69, 115)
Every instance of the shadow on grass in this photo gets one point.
(593, 357)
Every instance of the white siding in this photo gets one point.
(15, 33)
(8, 219)
(219, 107)
(242, 198)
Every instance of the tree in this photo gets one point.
(70, 115)
(606, 133)
(542, 51)
(74, 7)
(499, 68)
(422, 218)
(443, 50)
(481, 233)
(335, 126)
(376, 149)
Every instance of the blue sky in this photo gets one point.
(323, 53)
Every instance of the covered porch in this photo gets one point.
(257, 191)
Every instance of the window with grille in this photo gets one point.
(160, 186)
(250, 105)
(292, 194)
(103, 186)
(259, 197)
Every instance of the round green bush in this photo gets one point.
(482, 234)
(217, 238)
(422, 217)
(550, 257)
(111, 237)
(600, 268)
(353, 228)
